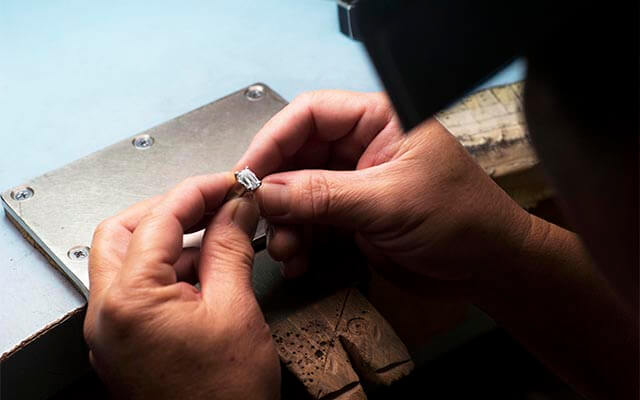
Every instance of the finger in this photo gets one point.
(202, 224)
(325, 116)
(296, 266)
(347, 199)
(156, 243)
(226, 256)
(186, 266)
(287, 244)
(109, 244)
(284, 241)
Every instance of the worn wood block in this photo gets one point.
(376, 351)
(490, 124)
(338, 342)
(309, 348)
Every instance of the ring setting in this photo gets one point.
(246, 182)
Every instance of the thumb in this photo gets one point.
(345, 199)
(226, 255)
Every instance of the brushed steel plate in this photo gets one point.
(68, 203)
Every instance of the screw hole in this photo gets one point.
(78, 253)
(22, 193)
(255, 92)
(142, 142)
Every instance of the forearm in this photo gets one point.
(557, 304)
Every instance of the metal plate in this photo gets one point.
(59, 210)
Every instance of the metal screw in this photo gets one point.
(143, 142)
(255, 92)
(23, 193)
(78, 253)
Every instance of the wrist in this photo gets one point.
(496, 276)
(541, 247)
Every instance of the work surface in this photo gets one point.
(75, 78)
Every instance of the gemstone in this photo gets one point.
(248, 179)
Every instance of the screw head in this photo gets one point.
(254, 92)
(142, 142)
(78, 253)
(22, 193)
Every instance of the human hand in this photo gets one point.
(417, 203)
(151, 333)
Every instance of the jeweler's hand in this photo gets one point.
(151, 333)
(418, 204)
(426, 214)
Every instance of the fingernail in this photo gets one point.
(246, 215)
(274, 199)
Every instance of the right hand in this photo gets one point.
(419, 206)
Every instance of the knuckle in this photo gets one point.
(189, 182)
(385, 110)
(304, 98)
(186, 188)
(162, 220)
(115, 310)
(283, 247)
(316, 195)
(105, 227)
(153, 217)
(88, 332)
(232, 248)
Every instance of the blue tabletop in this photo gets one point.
(76, 76)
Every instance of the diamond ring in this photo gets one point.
(246, 182)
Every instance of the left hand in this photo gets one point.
(419, 207)
(427, 217)
(154, 335)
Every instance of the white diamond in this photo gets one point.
(248, 179)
